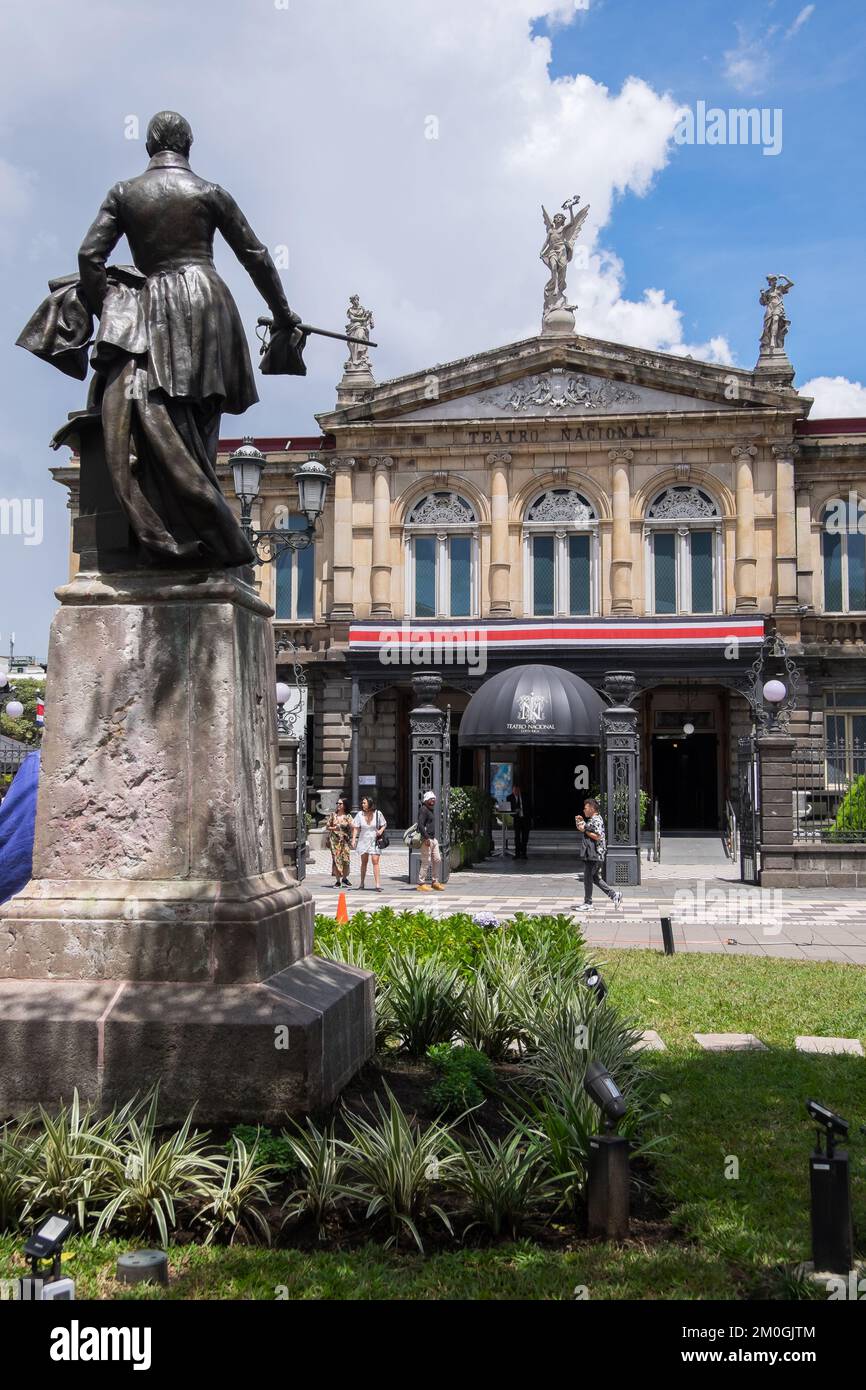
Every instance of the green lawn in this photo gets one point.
(729, 1235)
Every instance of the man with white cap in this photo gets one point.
(431, 859)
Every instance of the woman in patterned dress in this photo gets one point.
(339, 828)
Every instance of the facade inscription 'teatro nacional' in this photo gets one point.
(567, 434)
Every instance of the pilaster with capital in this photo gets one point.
(622, 600)
(380, 573)
(500, 561)
(805, 558)
(746, 566)
(786, 527)
(342, 604)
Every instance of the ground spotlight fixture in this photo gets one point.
(609, 1175)
(667, 935)
(46, 1243)
(601, 1088)
(593, 981)
(830, 1190)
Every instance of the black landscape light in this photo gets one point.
(830, 1190)
(592, 978)
(46, 1243)
(609, 1176)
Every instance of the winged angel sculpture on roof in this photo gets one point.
(558, 249)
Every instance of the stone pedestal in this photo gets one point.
(558, 323)
(161, 937)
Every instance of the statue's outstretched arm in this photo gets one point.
(253, 256)
(95, 249)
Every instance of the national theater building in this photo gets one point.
(581, 504)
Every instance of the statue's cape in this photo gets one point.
(61, 330)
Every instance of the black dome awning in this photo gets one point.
(532, 705)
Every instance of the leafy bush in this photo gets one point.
(321, 1167)
(464, 1075)
(69, 1159)
(850, 822)
(273, 1150)
(503, 1181)
(392, 1166)
(471, 812)
(235, 1205)
(425, 1001)
(15, 1157)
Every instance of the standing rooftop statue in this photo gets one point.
(170, 353)
(773, 359)
(556, 253)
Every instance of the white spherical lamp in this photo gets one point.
(14, 709)
(283, 692)
(688, 728)
(774, 692)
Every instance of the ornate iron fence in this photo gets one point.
(830, 792)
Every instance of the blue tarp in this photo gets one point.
(17, 824)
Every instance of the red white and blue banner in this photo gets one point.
(519, 635)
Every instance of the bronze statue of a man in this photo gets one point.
(170, 352)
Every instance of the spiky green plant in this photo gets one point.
(502, 1180)
(151, 1179)
(392, 1165)
(69, 1159)
(236, 1204)
(320, 1162)
(425, 1001)
(16, 1143)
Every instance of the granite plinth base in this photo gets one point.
(255, 1053)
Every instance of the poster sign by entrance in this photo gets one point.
(501, 781)
(369, 781)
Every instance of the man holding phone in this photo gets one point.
(593, 843)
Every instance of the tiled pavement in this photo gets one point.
(710, 909)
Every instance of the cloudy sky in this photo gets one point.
(401, 149)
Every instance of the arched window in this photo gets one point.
(295, 575)
(560, 533)
(843, 556)
(442, 565)
(683, 528)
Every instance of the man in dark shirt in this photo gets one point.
(431, 859)
(522, 812)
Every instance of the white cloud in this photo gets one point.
(748, 66)
(802, 18)
(835, 398)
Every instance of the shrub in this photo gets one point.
(392, 1165)
(471, 811)
(321, 1167)
(425, 1001)
(273, 1150)
(850, 819)
(464, 1075)
(15, 1152)
(69, 1159)
(502, 1180)
(150, 1180)
(235, 1205)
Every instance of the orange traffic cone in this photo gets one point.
(342, 913)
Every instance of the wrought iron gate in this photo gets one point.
(749, 792)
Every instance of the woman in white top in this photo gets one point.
(370, 825)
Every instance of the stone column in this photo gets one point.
(621, 563)
(500, 560)
(776, 823)
(786, 528)
(621, 753)
(342, 605)
(805, 560)
(745, 580)
(380, 573)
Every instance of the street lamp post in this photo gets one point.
(247, 465)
